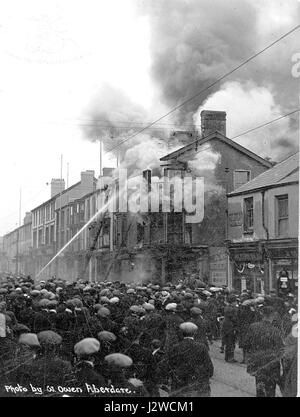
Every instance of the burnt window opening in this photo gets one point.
(175, 228)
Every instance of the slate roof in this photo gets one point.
(284, 172)
(216, 135)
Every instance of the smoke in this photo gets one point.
(204, 165)
(195, 42)
(112, 118)
(247, 106)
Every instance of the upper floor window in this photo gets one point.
(248, 214)
(282, 215)
(47, 212)
(240, 177)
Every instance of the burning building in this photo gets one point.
(164, 244)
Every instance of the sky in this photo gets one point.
(67, 66)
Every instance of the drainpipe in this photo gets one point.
(267, 235)
(263, 214)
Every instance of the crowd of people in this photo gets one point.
(127, 339)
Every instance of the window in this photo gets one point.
(93, 205)
(62, 238)
(35, 239)
(62, 226)
(52, 234)
(88, 211)
(47, 212)
(47, 236)
(175, 228)
(248, 214)
(42, 215)
(40, 237)
(282, 215)
(52, 210)
(240, 177)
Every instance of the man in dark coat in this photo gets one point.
(157, 371)
(263, 344)
(85, 372)
(41, 318)
(229, 328)
(47, 369)
(197, 318)
(190, 365)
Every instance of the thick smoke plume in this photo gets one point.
(112, 118)
(194, 42)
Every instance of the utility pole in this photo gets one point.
(101, 157)
(59, 215)
(18, 232)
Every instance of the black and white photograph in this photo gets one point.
(149, 218)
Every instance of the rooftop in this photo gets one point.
(284, 172)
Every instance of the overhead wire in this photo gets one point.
(209, 86)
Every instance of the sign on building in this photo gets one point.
(218, 266)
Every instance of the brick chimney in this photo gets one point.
(212, 121)
(27, 218)
(57, 185)
(87, 181)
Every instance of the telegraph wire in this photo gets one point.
(208, 87)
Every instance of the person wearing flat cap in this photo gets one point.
(41, 318)
(229, 328)
(86, 352)
(190, 365)
(172, 321)
(118, 370)
(47, 368)
(203, 326)
(263, 344)
(157, 370)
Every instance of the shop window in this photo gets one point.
(240, 177)
(282, 211)
(248, 215)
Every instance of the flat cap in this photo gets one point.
(114, 300)
(44, 302)
(171, 307)
(118, 359)
(29, 339)
(48, 337)
(21, 328)
(188, 327)
(107, 336)
(103, 312)
(87, 346)
(148, 306)
(104, 299)
(195, 311)
(137, 309)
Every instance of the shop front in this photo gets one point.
(283, 257)
(249, 268)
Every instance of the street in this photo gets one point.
(231, 379)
